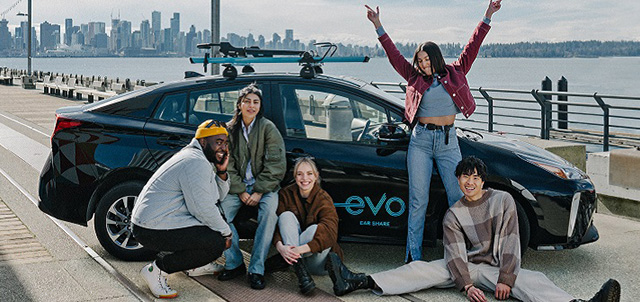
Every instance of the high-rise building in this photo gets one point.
(167, 45)
(5, 35)
(191, 40)
(156, 28)
(251, 41)
(94, 28)
(175, 25)
(288, 34)
(136, 39)
(276, 41)
(206, 36)
(145, 34)
(68, 25)
(49, 36)
(287, 43)
(77, 38)
(261, 42)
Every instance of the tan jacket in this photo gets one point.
(318, 209)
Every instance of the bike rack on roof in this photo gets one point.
(310, 61)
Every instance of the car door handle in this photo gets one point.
(297, 153)
(171, 141)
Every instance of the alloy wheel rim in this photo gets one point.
(118, 223)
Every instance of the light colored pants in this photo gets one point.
(267, 220)
(291, 233)
(419, 275)
(425, 147)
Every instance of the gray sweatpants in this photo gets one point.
(419, 275)
(291, 234)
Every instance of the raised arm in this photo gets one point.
(470, 50)
(374, 16)
(396, 59)
(494, 6)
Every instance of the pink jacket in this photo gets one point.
(454, 81)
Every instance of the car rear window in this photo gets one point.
(134, 105)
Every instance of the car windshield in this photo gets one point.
(383, 95)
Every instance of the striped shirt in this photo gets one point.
(482, 231)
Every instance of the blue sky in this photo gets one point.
(344, 21)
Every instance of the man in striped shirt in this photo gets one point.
(482, 252)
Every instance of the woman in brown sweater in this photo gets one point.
(307, 224)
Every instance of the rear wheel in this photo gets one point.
(112, 222)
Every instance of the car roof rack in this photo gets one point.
(310, 60)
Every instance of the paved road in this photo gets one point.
(69, 273)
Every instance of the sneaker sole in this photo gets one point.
(201, 274)
(168, 296)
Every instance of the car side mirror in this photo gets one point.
(392, 133)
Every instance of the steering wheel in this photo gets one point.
(364, 131)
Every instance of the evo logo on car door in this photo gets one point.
(355, 205)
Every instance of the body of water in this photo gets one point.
(610, 75)
(607, 75)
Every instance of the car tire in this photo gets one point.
(524, 228)
(112, 222)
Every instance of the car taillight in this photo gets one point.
(64, 123)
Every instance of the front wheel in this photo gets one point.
(112, 222)
(524, 228)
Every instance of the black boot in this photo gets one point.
(609, 292)
(344, 281)
(305, 282)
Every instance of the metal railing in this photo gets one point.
(588, 118)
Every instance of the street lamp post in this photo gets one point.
(29, 51)
(27, 82)
(215, 33)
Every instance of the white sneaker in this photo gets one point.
(157, 281)
(207, 269)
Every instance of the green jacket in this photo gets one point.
(268, 160)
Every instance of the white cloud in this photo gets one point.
(345, 21)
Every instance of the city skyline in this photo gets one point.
(345, 22)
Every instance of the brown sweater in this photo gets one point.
(483, 231)
(318, 209)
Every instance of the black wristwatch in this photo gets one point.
(221, 172)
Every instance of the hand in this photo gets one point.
(374, 16)
(254, 199)
(502, 291)
(244, 197)
(475, 294)
(494, 6)
(302, 249)
(225, 163)
(227, 242)
(287, 252)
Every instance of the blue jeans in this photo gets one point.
(267, 220)
(425, 147)
(293, 235)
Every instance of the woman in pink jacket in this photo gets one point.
(436, 92)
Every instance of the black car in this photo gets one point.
(103, 154)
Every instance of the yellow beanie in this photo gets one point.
(210, 128)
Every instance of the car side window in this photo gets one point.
(172, 108)
(217, 103)
(327, 114)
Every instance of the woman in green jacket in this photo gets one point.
(256, 168)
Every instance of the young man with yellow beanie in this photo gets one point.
(177, 211)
